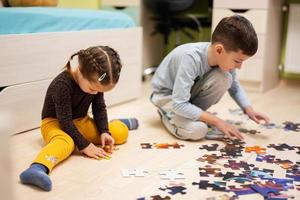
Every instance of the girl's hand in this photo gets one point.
(93, 151)
(106, 139)
(255, 116)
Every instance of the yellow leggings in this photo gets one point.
(59, 145)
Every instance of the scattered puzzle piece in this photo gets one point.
(240, 178)
(211, 147)
(281, 147)
(237, 112)
(158, 197)
(252, 131)
(174, 145)
(174, 189)
(146, 146)
(242, 190)
(211, 159)
(171, 174)
(270, 126)
(133, 173)
(291, 126)
(256, 149)
(266, 158)
(233, 164)
(216, 185)
(263, 190)
(236, 123)
(208, 170)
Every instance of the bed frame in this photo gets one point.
(28, 63)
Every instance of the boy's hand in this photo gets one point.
(106, 139)
(255, 116)
(228, 129)
(93, 151)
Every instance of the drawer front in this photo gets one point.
(22, 105)
(252, 70)
(120, 2)
(132, 11)
(257, 17)
(241, 4)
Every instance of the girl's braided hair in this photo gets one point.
(99, 63)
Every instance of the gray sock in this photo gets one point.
(36, 175)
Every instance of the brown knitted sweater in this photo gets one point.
(66, 101)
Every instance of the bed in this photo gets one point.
(37, 42)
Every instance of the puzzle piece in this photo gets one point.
(263, 190)
(232, 150)
(266, 158)
(233, 164)
(284, 183)
(211, 147)
(133, 173)
(281, 147)
(175, 145)
(211, 159)
(263, 174)
(252, 131)
(158, 197)
(146, 146)
(237, 112)
(242, 190)
(174, 189)
(294, 173)
(236, 123)
(208, 170)
(256, 149)
(233, 147)
(233, 141)
(285, 164)
(240, 178)
(216, 185)
(270, 126)
(171, 174)
(291, 126)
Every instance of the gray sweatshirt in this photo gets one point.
(176, 75)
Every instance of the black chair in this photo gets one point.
(172, 16)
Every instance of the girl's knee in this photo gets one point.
(119, 131)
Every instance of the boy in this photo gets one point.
(195, 76)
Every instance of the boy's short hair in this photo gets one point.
(236, 33)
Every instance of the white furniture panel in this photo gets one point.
(32, 57)
(260, 72)
(292, 59)
(251, 14)
(252, 70)
(121, 2)
(30, 61)
(242, 4)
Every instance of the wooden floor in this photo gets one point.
(82, 178)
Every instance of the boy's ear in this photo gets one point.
(219, 48)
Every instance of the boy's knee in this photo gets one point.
(197, 131)
(223, 79)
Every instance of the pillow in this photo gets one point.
(3, 3)
(32, 2)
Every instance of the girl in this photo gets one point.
(65, 123)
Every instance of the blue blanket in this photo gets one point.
(45, 19)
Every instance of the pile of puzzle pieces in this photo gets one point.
(224, 172)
